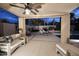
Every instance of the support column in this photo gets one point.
(22, 26)
(65, 28)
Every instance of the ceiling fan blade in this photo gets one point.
(36, 10)
(36, 6)
(25, 5)
(33, 12)
(16, 6)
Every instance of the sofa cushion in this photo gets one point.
(4, 39)
(1, 39)
(15, 36)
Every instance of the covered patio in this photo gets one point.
(42, 45)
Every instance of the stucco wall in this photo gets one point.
(65, 28)
(9, 28)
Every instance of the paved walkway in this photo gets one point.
(39, 45)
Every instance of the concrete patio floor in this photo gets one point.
(39, 45)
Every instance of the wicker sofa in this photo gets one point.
(66, 49)
(9, 47)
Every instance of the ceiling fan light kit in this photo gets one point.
(27, 11)
(28, 7)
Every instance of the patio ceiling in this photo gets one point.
(47, 9)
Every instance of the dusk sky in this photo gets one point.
(76, 12)
(50, 19)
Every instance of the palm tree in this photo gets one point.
(73, 21)
(37, 22)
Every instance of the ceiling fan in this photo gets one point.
(32, 7)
